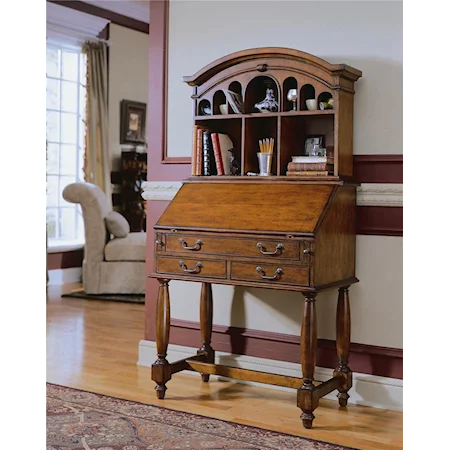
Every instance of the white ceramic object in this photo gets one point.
(311, 104)
(223, 109)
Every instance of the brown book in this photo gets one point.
(297, 166)
(194, 151)
(199, 164)
(307, 173)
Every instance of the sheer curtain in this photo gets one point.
(97, 161)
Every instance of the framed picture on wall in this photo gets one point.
(132, 122)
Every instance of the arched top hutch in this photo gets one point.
(248, 73)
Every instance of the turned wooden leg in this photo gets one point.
(343, 328)
(308, 347)
(206, 315)
(161, 368)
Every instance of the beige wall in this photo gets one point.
(376, 301)
(128, 78)
(366, 35)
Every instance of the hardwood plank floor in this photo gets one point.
(93, 345)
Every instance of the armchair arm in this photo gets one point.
(94, 208)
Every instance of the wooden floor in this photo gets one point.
(93, 345)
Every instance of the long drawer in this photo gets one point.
(230, 246)
(191, 267)
(270, 273)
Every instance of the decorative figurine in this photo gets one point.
(269, 104)
(234, 165)
(315, 151)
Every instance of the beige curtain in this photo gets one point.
(97, 161)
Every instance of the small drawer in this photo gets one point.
(252, 247)
(191, 267)
(270, 273)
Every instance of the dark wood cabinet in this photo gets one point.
(132, 174)
(274, 232)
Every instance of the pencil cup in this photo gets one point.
(265, 162)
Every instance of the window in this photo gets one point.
(66, 92)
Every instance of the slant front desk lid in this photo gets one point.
(249, 207)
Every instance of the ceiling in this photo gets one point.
(80, 22)
(136, 9)
(63, 21)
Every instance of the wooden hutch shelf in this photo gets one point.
(272, 114)
(261, 179)
(292, 233)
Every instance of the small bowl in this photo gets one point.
(311, 104)
(223, 109)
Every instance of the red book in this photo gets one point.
(217, 153)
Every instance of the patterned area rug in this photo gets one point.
(128, 298)
(80, 420)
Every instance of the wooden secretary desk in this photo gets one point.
(294, 233)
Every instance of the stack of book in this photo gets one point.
(210, 152)
(310, 166)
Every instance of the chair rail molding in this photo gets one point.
(380, 194)
(368, 194)
(160, 190)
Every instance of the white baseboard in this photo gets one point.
(368, 390)
(62, 276)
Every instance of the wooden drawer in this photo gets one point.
(191, 267)
(270, 273)
(251, 247)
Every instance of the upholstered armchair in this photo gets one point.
(114, 257)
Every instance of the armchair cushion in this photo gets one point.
(117, 225)
(129, 248)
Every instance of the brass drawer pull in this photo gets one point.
(261, 272)
(278, 249)
(198, 244)
(198, 267)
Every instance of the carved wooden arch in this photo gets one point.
(336, 76)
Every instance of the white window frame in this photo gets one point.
(59, 244)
